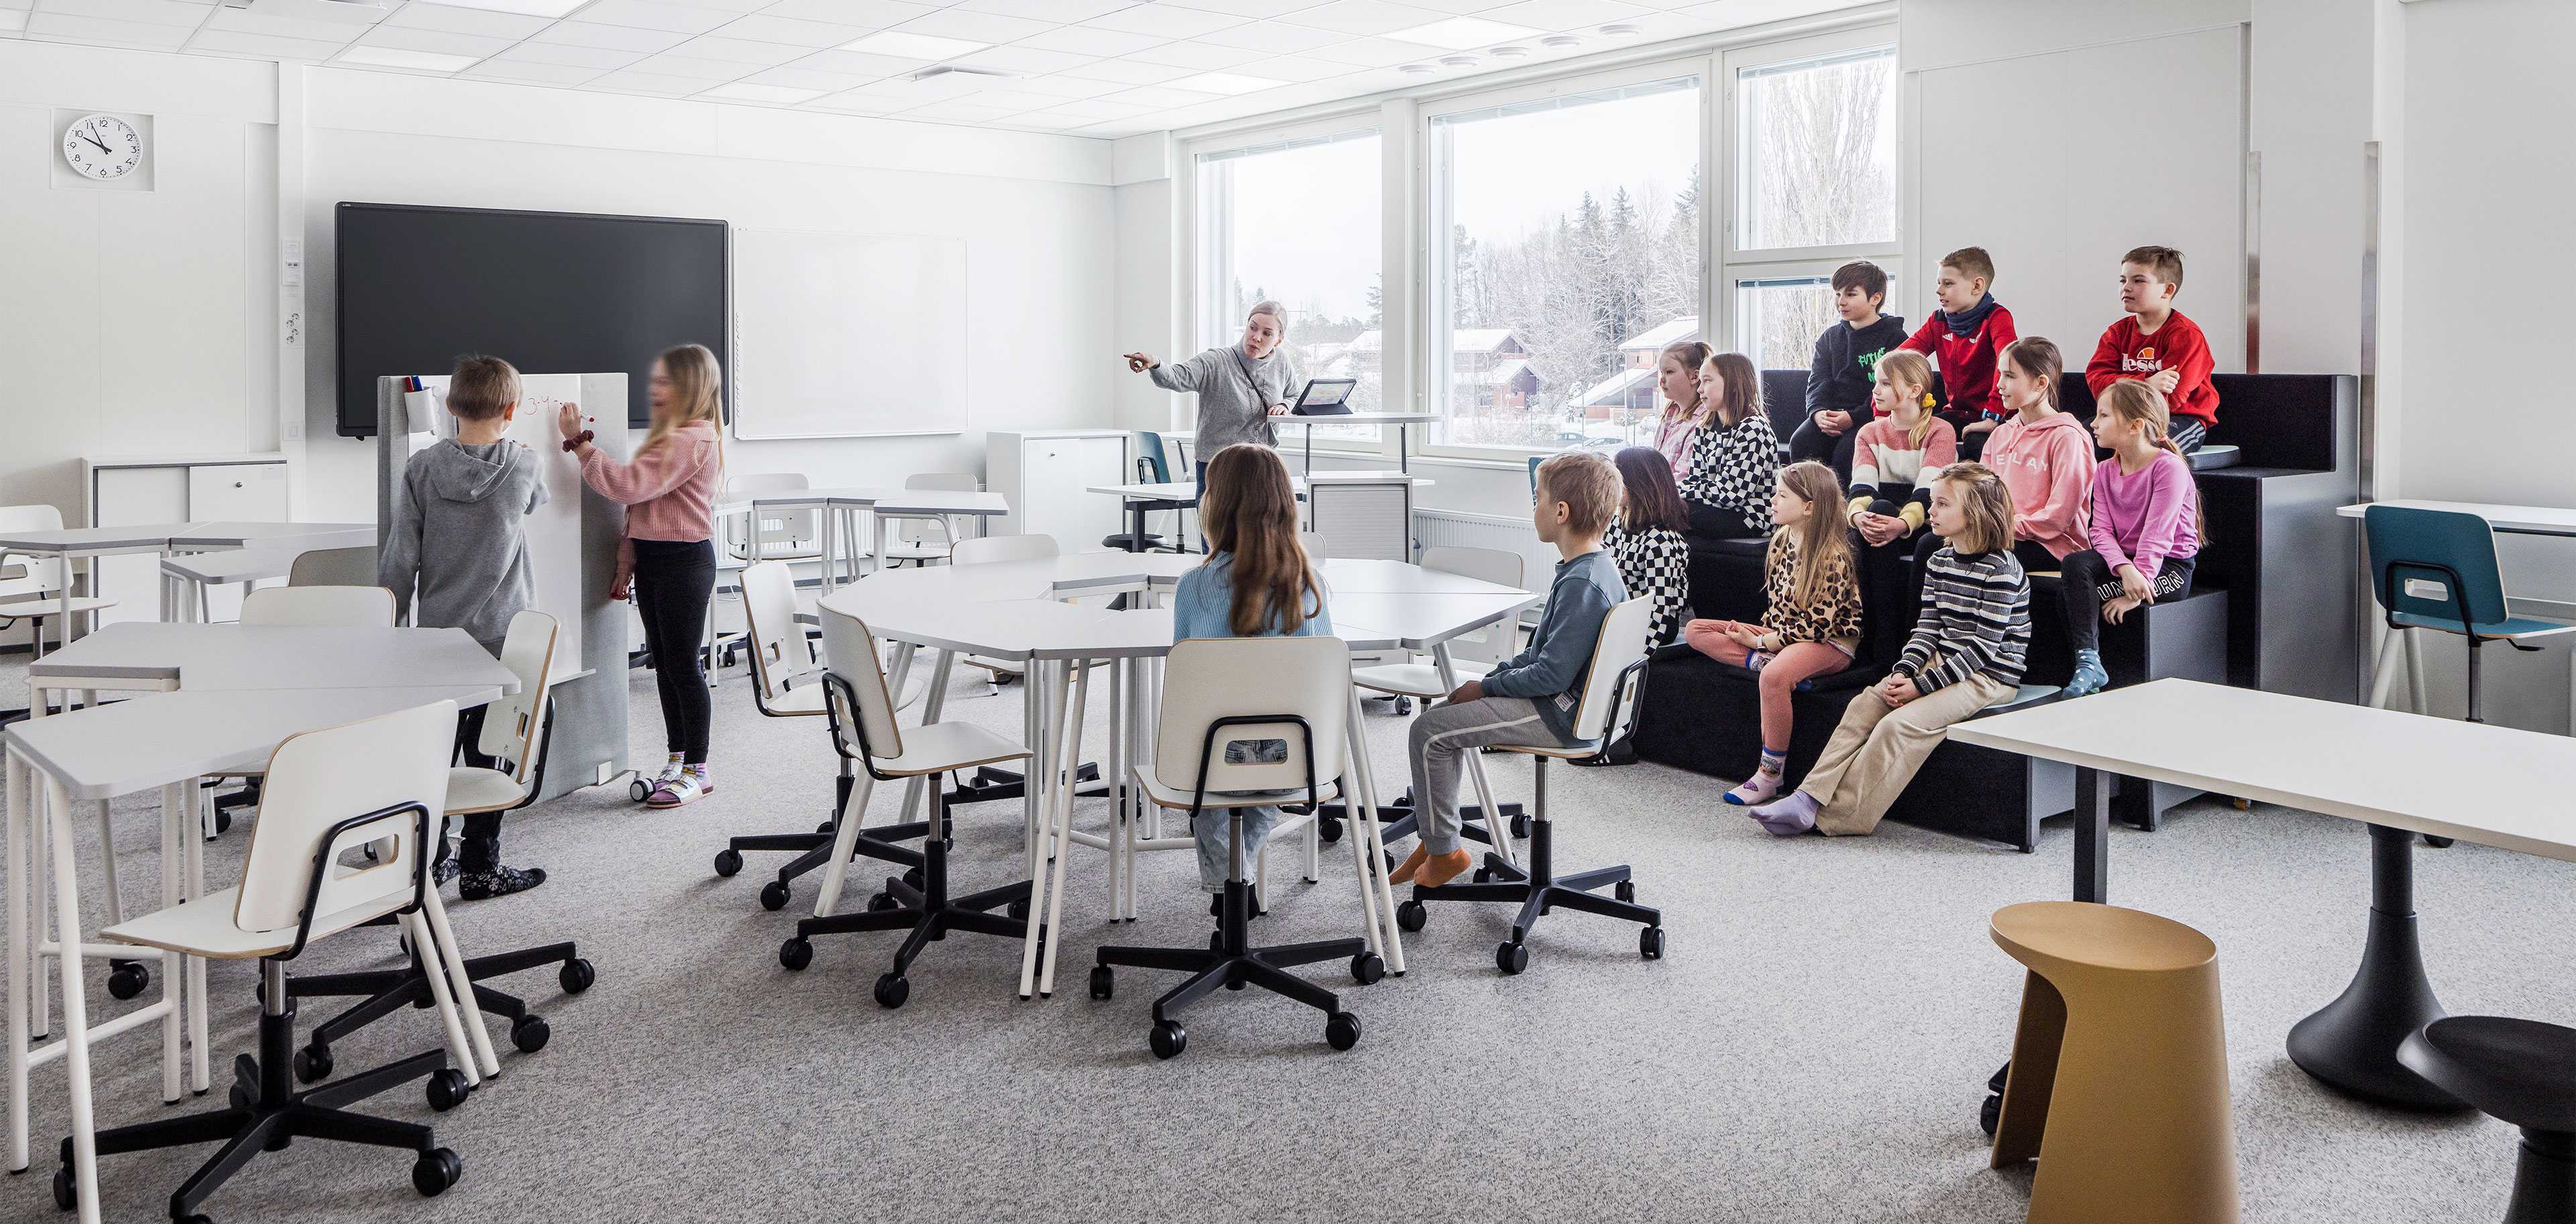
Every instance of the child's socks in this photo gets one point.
(1788, 817)
(1765, 782)
(2089, 676)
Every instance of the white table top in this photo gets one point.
(1347, 418)
(916, 501)
(139, 536)
(2519, 520)
(1188, 490)
(94, 752)
(231, 565)
(78, 540)
(251, 657)
(2477, 782)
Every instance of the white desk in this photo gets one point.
(1143, 497)
(2512, 520)
(186, 580)
(242, 691)
(2401, 774)
(76, 543)
(1403, 422)
(838, 541)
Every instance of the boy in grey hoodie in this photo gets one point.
(457, 535)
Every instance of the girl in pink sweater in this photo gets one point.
(2146, 525)
(668, 554)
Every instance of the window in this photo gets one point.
(1298, 222)
(1777, 319)
(1565, 253)
(1816, 151)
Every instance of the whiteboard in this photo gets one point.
(848, 335)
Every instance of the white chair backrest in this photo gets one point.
(981, 549)
(24, 575)
(1502, 639)
(916, 530)
(334, 567)
(512, 724)
(850, 650)
(781, 654)
(955, 482)
(321, 778)
(359, 606)
(1206, 679)
(1622, 642)
(785, 530)
(1314, 544)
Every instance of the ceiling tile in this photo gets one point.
(104, 30)
(1162, 96)
(1065, 86)
(1165, 21)
(241, 22)
(1097, 108)
(267, 44)
(532, 73)
(1272, 37)
(1296, 69)
(1248, 8)
(465, 21)
(738, 51)
(807, 79)
(761, 27)
(1058, 11)
(1084, 40)
(646, 83)
(1562, 14)
(561, 55)
(738, 6)
(1019, 58)
(12, 21)
(909, 92)
(476, 45)
(967, 111)
(1014, 101)
(860, 64)
(153, 12)
(1463, 33)
(1196, 55)
(977, 27)
(1652, 27)
(872, 14)
(1369, 52)
(1044, 123)
(609, 37)
(1115, 128)
(672, 63)
(1457, 8)
(1360, 16)
(1126, 72)
(861, 104)
(773, 95)
(652, 15)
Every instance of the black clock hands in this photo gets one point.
(102, 145)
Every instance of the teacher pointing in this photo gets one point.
(1240, 387)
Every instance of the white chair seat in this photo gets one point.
(782, 552)
(1411, 679)
(1176, 797)
(203, 926)
(798, 702)
(906, 550)
(941, 747)
(472, 789)
(47, 605)
(1568, 752)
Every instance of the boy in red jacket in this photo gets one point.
(2158, 346)
(1962, 338)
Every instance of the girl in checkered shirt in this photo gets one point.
(1646, 539)
(1735, 455)
(1812, 625)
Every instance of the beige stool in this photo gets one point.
(2119, 1069)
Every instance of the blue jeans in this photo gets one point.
(1214, 829)
(1202, 479)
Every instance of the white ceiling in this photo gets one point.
(1101, 68)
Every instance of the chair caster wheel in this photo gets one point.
(1412, 915)
(576, 976)
(1216, 941)
(223, 822)
(530, 1033)
(447, 1089)
(1650, 944)
(892, 989)
(435, 1171)
(66, 1191)
(1330, 831)
(640, 790)
(127, 979)
(313, 1063)
(238, 1098)
(824, 828)
(1513, 958)
(1342, 1031)
(2438, 843)
(1403, 705)
(1168, 1039)
(1367, 968)
(913, 877)
(796, 953)
(728, 860)
(1995, 1083)
(881, 901)
(1521, 825)
(1018, 910)
(1625, 891)
(1989, 1114)
(1484, 875)
(773, 895)
(1103, 982)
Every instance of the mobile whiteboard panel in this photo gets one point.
(848, 335)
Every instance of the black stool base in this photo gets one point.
(2352, 1042)
(2544, 1179)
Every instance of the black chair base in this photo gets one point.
(1229, 962)
(267, 1114)
(1396, 820)
(389, 990)
(1537, 889)
(925, 910)
(812, 850)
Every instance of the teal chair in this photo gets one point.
(1150, 469)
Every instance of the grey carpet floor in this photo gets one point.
(1814, 1047)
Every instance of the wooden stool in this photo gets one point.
(2119, 1070)
(2521, 1072)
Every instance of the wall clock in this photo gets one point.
(102, 148)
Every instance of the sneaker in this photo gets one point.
(445, 871)
(679, 791)
(499, 881)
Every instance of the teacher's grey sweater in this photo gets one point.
(1233, 407)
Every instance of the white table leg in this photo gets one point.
(194, 885)
(1117, 775)
(461, 982)
(84, 1136)
(1368, 848)
(1494, 822)
(175, 811)
(451, 1024)
(2415, 670)
(1044, 680)
(2383, 670)
(1062, 836)
(22, 935)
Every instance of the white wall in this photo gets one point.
(1148, 311)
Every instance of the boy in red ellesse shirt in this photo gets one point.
(2158, 346)
(1962, 338)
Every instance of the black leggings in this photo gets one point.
(2090, 581)
(673, 581)
(469, 748)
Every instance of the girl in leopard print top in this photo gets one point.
(1646, 539)
(1812, 626)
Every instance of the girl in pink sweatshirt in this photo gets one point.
(668, 551)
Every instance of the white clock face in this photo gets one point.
(102, 147)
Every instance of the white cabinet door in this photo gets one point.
(125, 497)
(237, 492)
(1096, 462)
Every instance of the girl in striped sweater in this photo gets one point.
(1646, 539)
(1894, 462)
(1812, 624)
(1966, 653)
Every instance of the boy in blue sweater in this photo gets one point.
(1531, 697)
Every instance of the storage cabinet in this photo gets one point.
(1046, 477)
(174, 489)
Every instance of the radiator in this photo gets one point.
(1457, 528)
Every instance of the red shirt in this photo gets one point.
(2126, 352)
(1967, 364)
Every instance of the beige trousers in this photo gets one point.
(1875, 751)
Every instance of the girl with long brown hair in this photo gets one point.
(1646, 539)
(668, 552)
(1735, 456)
(2146, 529)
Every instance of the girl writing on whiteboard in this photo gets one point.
(668, 553)
(1240, 386)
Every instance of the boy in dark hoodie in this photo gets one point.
(1845, 367)
(457, 534)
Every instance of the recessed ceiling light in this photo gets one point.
(1460, 33)
(913, 46)
(398, 57)
(741, 92)
(1510, 52)
(1225, 83)
(1621, 30)
(1560, 41)
(533, 8)
(1417, 69)
(1458, 61)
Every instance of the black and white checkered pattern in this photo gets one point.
(1734, 469)
(1654, 562)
